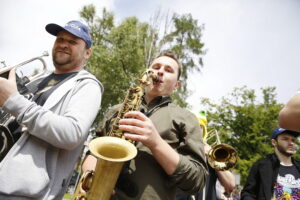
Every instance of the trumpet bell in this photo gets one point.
(222, 157)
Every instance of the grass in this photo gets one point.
(67, 196)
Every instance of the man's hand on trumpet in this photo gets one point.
(8, 86)
(207, 148)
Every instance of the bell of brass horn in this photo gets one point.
(111, 153)
(222, 156)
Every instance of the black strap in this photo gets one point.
(41, 98)
(11, 132)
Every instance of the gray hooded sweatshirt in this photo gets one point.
(41, 162)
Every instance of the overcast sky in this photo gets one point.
(249, 42)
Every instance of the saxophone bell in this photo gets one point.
(111, 153)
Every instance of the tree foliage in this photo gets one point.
(122, 52)
(245, 123)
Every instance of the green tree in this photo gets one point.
(245, 123)
(184, 39)
(122, 52)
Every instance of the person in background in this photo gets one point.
(170, 152)
(277, 176)
(55, 124)
(225, 178)
(236, 193)
(221, 193)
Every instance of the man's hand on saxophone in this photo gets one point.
(140, 128)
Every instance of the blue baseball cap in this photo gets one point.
(279, 131)
(74, 27)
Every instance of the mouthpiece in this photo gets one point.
(153, 76)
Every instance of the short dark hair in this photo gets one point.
(171, 54)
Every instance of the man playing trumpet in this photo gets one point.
(40, 164)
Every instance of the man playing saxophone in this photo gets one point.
(57, 121)
(170, 151)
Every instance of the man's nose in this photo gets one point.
(62, 44)
(292, 142)
(160, 72)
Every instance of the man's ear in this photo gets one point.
(88, 53)
(274, 142)
(177, 85)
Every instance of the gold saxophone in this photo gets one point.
(113, 150)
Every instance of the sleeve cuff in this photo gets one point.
(16, 104)
(180, 167)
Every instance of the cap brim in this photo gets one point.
(294, 133)
(53, 29)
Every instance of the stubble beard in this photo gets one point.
(285, 152)
(59, 62)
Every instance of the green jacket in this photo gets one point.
(143, 177)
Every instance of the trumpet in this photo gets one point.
(222, 156)
(7, 136)
(4, 71)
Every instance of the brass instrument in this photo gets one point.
(112, 151)
(222, 156)
(5, 70)
(7, 138)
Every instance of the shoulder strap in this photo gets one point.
(40, 99)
